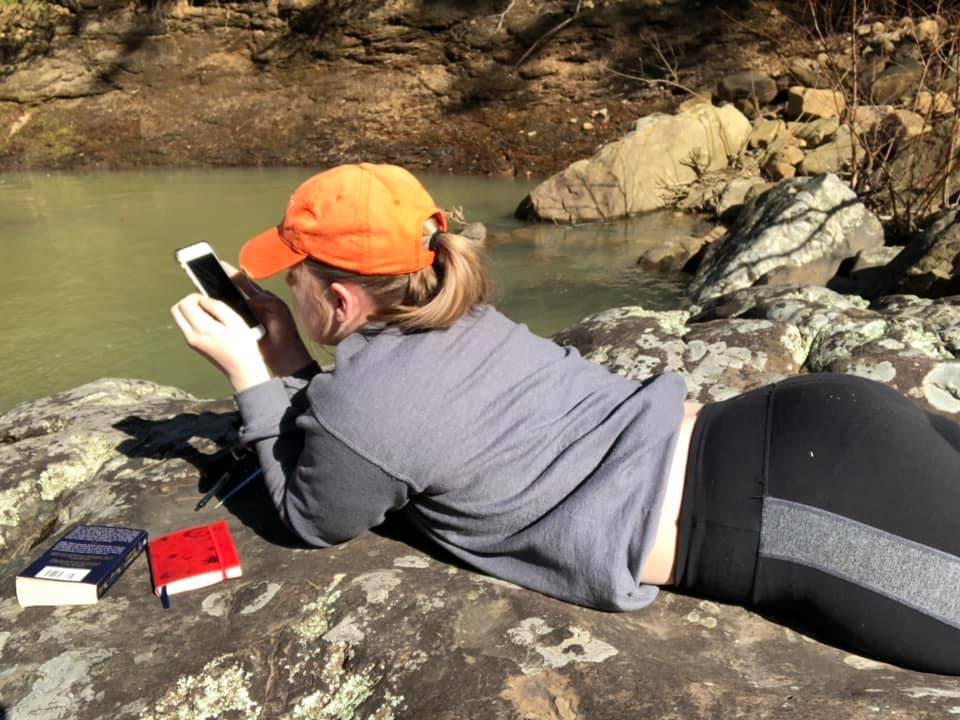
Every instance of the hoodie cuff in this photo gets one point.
(263, 408)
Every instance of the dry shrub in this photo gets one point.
(905, 166)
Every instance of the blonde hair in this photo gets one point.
(429, 299)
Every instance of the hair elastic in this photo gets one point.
(434, 242)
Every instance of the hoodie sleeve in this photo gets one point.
(324, 491)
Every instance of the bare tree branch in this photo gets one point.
(672, 68)
(666, 83)
(549, 34)
(503, 16)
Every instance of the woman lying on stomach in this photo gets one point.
(827, 495)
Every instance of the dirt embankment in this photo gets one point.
(506, 88)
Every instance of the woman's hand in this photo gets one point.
(282, 348)
(214, 330)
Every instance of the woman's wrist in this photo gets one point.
(252, 373)
(292, 364)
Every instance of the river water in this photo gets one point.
(89, 272)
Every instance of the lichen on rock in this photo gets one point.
(60, 685)
(316, 617)
(941, 387)
(90, 452)
(345, 691)
(577, 646)
(219, 688)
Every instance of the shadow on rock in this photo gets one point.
(253, 507)
(397, 528)
(171, 438)
(207, 441)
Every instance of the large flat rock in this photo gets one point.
(381, 627)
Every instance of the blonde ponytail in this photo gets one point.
(429, 299)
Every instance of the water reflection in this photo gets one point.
(90, 275)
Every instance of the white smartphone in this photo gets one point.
(203, 267)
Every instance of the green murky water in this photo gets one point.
(89, 274)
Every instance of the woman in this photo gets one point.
(825, 495)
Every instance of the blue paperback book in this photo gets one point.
(81, 566)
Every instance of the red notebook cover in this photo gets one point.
(193, 558)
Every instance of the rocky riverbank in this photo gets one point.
(765, 158)
(488, 87)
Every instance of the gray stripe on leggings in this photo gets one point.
(918, 576)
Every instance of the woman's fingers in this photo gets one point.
(185, 327)
(189, 316)
(195, 325)
(198, 318)
(270, 310)
(245, 282)
(214, 330)
(222, 313)
(198, 315)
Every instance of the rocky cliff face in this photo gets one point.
(468, 87)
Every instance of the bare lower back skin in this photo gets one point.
(658, 567)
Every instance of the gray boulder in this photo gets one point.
(645, 170)
(833, 156)
(919, 172)
(51, 449)
(797, 222)
(809, 73)
(68, 75)
(760, 335)
(726, 357)
(380, 627)
(896, 80)
(872, 273)
(930, 265)
(815, 132)
(735, 193)
(942, 315)
(907, 343)
(717, 359)
(747, 85)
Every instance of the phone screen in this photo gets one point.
(211, 275)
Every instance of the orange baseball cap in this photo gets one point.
(364, 218)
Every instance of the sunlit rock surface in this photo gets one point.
(645, 170)
(383, 626)
(797, 223)
(759, 335)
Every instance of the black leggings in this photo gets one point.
(830, 503)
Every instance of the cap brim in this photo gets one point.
(267, 254)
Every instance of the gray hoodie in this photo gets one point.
(512, 453)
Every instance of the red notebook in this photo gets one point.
(193, 558)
